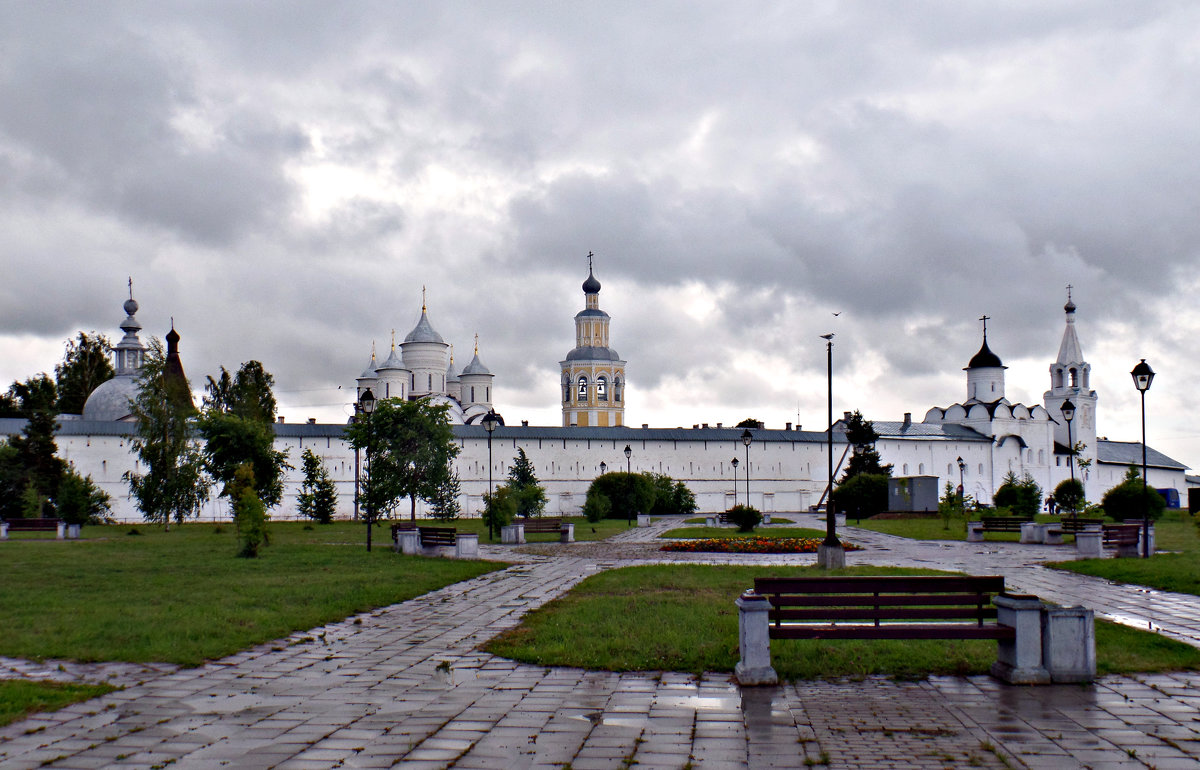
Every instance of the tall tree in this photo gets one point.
(861, 435)
(85, 365)
(528, 493)
(237, 426)
(409, 448)
(35, 462)
(318, 495)
(174, 485)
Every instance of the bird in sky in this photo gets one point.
(827, 336)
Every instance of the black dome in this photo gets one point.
(591, 285)
(985, 358)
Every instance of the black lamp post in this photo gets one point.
(831, 539)
(628, 454)
(353, 419)
(490, 420)
(1143, 375)
(747, 439)
(603, 467)
(962, 499)
(734, 463)
(1068, 413)
(366, 402)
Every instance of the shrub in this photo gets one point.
(1023, 496)
(597, 506)
(671, 498)
(863, 495)
(1126, 501)
(1069, 495)
(745, 517)
(318, 495)
(628, 493)
(80, 501)
(499, 507)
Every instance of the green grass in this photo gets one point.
(183, 597)
(939, 529)
(774, 520)
(693, 533)
(1175, 531)
(683, 618)
(20, 697)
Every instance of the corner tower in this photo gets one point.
(593, 375)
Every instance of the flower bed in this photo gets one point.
(752, 545)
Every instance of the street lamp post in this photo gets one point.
(962, 499)
(734, 463)
(489, 424)
(747, 438)
(1143, 375)
(353, 419)
(603, 467)
(830, 554)
(628, 470)
(366, 403)
(1068, 413)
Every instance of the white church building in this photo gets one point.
(783, 469)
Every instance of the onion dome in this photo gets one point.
(452, 371)
(423, 331)
(985, 358)
(476, 366)
(369, 372)
(591, 285)
(393, 361)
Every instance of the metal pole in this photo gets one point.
(491, 518)
(370, 489)
(830, 516)
(1145, 498)
(747, 476)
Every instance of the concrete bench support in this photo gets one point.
(754, 644)
(974, 531)
(1142, 537)
(643, 519)
(3, 530)
(61, 532)
(711, 521)
(513, 534)
(766, 518)
(1031, 532)
(1019, 660)
(1069, 644)
(466, 545)
(72, 531)
(1089, 544)
(408, 542)
(1053, 535)
(568, 532)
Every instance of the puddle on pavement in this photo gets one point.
(700, 702)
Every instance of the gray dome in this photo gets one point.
(476, 367)
(593, 354)
(423, 332)
(452, 372)
(369, 372)
(393, 362)
(109, 402)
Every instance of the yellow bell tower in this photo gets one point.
(593, 375)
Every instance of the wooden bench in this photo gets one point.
(1073, 525)
(883, 607)
(1123, 537)
(536, 525)
(31, 525)
(433, 537)
(890, 607)
(1004, 523)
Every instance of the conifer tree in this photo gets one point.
(318, 495)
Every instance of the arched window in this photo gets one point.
(905, 469)
(981, 468)
(1074, 378)
(617, 389)
(582, 388)
(921, 469)
(566, 385)
(601, 388)
(949, 469)
(1058, 378)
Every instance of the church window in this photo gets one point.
(431, 382)
(487, 394)
(387, 389)
(906, 469)
(949, 469)
(981, 469)
(582, 389)
(1041, 457)
(566, 385)
(1074, 378)
(472, 394)
(921, 469)
(616, 389)
(602, 388)
(1058, 378)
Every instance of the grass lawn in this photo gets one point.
(694, 533)
(938, 529)
(183, 597)
(774, 520)
(20, 697)
(1175, 531)
(683, 618)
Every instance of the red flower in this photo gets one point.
(756, 544)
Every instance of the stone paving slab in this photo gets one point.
(406, 684)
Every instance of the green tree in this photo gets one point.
(744, 517)
(671, 498)
(318, 494)
(238, 427)
(249, 513)
(444, 505)
(35, 454)
(84, 366)
(80, 501)
(749, 422)
(1069, 495)
(863, 494)
(596, 505)
(12, 482)
(174, 485)
(499, 508)
(528, 492)
(628, 493)
(1023, 496)
(1127, 500)
(33, 502)
(409, 447)
(861, 435)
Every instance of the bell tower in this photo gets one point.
(593, 375)
(1070, 378)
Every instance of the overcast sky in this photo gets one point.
(283, 178)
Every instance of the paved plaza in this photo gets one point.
(406, 684)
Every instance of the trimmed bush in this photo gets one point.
(1125, 501)
(628, 493)
(861, 496)
(745, 517)
(1069, 496)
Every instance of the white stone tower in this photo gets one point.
(1070, 378)
(593, 375)
(985, 374)
(426, 356)
(475, 384)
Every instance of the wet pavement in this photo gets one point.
(405, 684)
